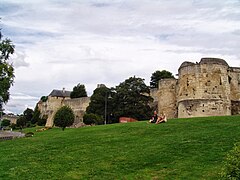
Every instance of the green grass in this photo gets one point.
(179, 149)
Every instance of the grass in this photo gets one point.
(179, 149)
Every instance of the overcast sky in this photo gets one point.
(60, 43)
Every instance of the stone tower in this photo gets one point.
(204, 88)
(208, 88)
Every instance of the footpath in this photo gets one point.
(7, 135)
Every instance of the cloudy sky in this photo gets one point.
(60, 43)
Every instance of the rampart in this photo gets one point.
(207, 88)
(50, 107)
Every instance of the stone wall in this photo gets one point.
(207, 88)
(167, 97)
(204, 89)
(50, 107)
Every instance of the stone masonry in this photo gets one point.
(57, 99)
(208, 88)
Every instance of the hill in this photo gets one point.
(179, 149)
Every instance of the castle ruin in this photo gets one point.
(208, 88)
(59, 98)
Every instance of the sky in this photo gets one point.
(60, 43)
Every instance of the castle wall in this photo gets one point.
(50, 107)
(234, 78)
(154, 95)
(79, 106)
(167, 97)
(204, 89)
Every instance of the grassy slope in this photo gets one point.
(180, 149)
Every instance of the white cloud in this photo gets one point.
(91, 42)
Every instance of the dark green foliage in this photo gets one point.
(44, 98)
(64, 117)
(93, 119)
(22, 121)
(5, 122)
(28, 114)
(36, 116)
(158, 75)
(232, 164)
(6, 68)
(42, 121)
(132, 98)
(37, 119)
(100, 97)
(29, 134)
(78, 91)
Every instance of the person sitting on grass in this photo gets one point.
(161, 119)
(154, 117)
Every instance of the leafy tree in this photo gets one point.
(42, 121)
(6, 68)
(44, 98)
(28, 114)
(21, 121)
(5, 122)
(98, 102)
(78, 91)
(132, 99)
(64, 117)
(231, 169)
(36, 116)
(158, 75)
(92, 119)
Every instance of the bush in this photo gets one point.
(64, 117)
(29, 134)
(231, 169)
(42, 121)
(5, 123)
(92, 119)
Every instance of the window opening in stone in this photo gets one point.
(202, 110)
(229, 79)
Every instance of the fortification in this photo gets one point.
(57, 99)
(207, 88)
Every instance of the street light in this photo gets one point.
(107, 96)
(1, 107)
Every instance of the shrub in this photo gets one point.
(92, 119)
(5, 122)
(64, 117)
(29, 134)
(231, 169)
(42, 121)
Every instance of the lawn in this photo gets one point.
(179, 149)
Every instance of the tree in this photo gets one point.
(6, 68)
(132, 99)
(21, 122)
(5, 122)
(231, 169)
(78, 91)
(92, 119)
(36, 115)
(64, 117)
(157, 76)
(44, 98)
(28, 114)
(98, 102)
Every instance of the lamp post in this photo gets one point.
(1, 107)
(107, 96)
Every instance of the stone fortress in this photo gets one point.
(59, 98)
(208, 88)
